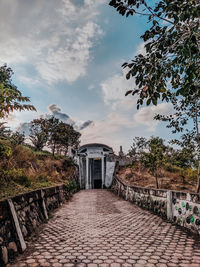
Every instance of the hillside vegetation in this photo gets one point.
(24, 169)
(156, 164)
(168, 179)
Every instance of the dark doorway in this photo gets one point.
(97, 174)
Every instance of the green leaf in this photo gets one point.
(128, 92)
(154, 101)
(148, 101)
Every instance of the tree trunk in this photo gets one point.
(198, 180)
(156, 175)
(53, 150)
(183, 179)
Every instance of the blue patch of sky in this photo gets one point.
(118, 44)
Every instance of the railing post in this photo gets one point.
(87, 173)
(127, 189)
(17, 226)
(44, 206)
(102, 172)
(169, 205)
(119, 188)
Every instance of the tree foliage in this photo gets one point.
(10, 97)
(17, 138)
(62, 136)
(53, 133)
(4, 131)
(172, 49)
(137, 148)
(39, 133)
(170, 68)
(186, 112)
(154, 157)
(5, 151)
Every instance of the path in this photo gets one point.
(97, 229)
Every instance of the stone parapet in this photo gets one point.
(181, 208)
(21, 215)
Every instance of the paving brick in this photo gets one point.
(97, 229)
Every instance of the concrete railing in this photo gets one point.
(181, 208)
(21, 215)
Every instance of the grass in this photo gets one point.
(171, 180)
(23, 169)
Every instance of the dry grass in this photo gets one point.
(167, 180)
(26, 170)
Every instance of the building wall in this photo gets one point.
(86, 164)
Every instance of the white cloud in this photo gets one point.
(146, 114)
(14, 119)
(140, 49)
(29, 81)
(112, 130)
(109, 130)
(77, 124)
(55, 38)
(114, 89)
(91, 87)
(70, 62)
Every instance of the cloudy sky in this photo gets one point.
(67, 57)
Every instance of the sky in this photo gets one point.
(66, 56)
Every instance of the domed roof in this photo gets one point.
(94, 145)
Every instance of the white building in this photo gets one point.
(96, 166)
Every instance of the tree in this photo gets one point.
(170, 68)
(53, 139)
(186, 112)
(53, 133)
(154, 158)
(184, 158)
(74, 139)
(17, 138)
(4, 131)
(10, 97)
(137, 148)
(69, 137)
(39, 131)
(61, 136)
(172, 49)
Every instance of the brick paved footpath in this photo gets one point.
(97, 229)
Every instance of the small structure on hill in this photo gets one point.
(123, 159)
(96, 166)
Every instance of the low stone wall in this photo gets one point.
(21, 215)
(178, 207)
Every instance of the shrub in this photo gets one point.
(23, 180)
(172, 168)
(23, 156)
(18, 176)
(128, 176)
(5, 149)
(191, 173)
(67, 163)
(42, 179)
(41, 155)
(72, 186)
(57, 156)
